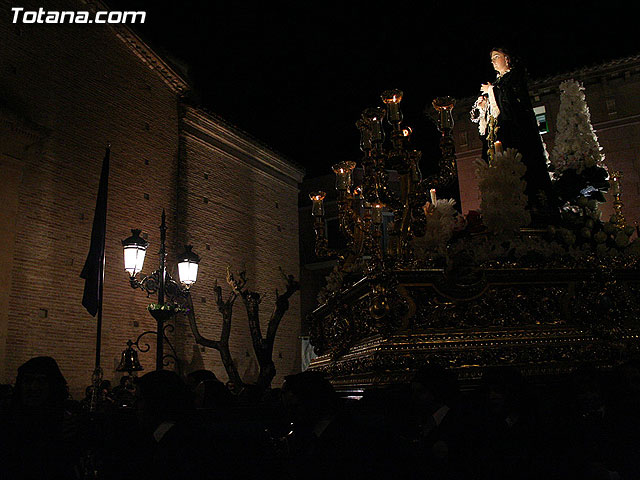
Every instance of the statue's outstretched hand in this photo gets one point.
(486, 87)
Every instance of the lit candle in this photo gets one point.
(376, 213)
(343, 175)
(318, 207)
(392, 99)
(615, 183)
(434, 199)
(498, 146)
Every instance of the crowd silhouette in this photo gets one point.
(584, 425)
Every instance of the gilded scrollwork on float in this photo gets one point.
(541, 321)
(473, 291)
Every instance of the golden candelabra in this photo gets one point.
(617, 201)
(361, 207)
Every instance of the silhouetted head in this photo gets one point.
(504, 388)
(197, 376)
(629, 375)
(163, 396)
(308, 397)
(40, 385)
(585, 383)
(213, 394)
(433, 385)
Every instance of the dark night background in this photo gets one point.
(297, 75)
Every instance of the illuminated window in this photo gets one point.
(541, 119)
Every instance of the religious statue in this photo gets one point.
(506, 120)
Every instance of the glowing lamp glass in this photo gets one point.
(188, 266)
(392, 96)
(134, 249)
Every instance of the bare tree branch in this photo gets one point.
(263, 347)
(282, 305)
(222, 345)
(200, 340)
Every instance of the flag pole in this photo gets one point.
(96, 378)
(93, 270)
(99, 318)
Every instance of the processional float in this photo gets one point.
(431, 286)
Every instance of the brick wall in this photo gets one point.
(70, 89)
(83, 87)
(239, 207)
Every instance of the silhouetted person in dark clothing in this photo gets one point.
(507, 435)
(37, 436)
(440, 438)
(622, 412)
(208, 391)
(124, 394)
(177, 446)
(213, 394)
(326, 441)
(6, 392)
(198, 376)
(587, 435)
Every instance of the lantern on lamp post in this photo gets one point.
(188, 266)
(135, 249)
(160, 283)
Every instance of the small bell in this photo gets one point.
(129, 361)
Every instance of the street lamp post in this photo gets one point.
(159, 282)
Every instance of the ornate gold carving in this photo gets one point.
(543, 321)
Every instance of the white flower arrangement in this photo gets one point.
(557, 246)
(487, 249)
(576, 144)
(442, 221)
(503, 201)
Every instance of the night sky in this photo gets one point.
(297, 75)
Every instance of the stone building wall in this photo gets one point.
(66, 91)
(79, 87)
(238, 203)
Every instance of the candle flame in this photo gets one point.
(317, 196)
(392, 96)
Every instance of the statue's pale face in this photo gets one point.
(500, 62)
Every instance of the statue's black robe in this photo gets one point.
(518, 128)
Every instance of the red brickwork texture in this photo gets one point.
(84, 87)
(240, 217)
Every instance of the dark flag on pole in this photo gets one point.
(93, 270)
